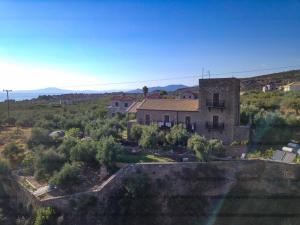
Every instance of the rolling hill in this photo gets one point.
(257, 82)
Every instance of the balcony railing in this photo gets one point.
(215, 126)
(215, 104)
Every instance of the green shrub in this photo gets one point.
(47, 162)
(85, 151)
(66, 146)
(73, 132)
(198, 144)
(136, 132)
(4, 167)
(39, 136)
(29, 162)
(205, 149)
(2, 217)
(177, 136)
(67, 176)
(45, 216)
(150, 137)
(11, 150)
(108, 151)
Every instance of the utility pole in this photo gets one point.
(7, 99)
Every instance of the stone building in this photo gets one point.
(187, 94)
(294, 86)
(119, 104)
(216, 114)
(269, 87)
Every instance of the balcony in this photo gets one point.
(214, 126)
(215, 104)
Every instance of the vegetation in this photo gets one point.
(67, 176)
(108, 151)
(47, 162)
(205, 149)
(2, 217)
(136, 203)
(4, 166)
(150, 137)
(45, 216)
(11, 151)
(177, 136)
(84, 151)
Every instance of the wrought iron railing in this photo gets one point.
(215, 126)
(215, 104)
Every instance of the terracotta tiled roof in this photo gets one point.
(133, 107)
(122, 98)
(188, 105)
(154, 96)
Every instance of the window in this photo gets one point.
(147, 119)
(167, 119)
(215, 121)
(117, 104)
(216, 99)
(187, 120)
(125, 104)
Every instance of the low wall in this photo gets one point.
(193, 180)
(180, 176)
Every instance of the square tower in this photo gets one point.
(219, 107)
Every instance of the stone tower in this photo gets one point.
(219, 107)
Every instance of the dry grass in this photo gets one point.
(14, 134)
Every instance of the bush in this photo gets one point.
(105, 128)
(66, 146)
(73, 132)
(28, 163)
(11, 150)
(67, 176)
(177, 136)
(45, 216)
(85, 151)
(136, 132)
(39, 136)
(198, 144)
(204, 149)
(47, 162)
(271, 128)
(108, 151)
(2, 217)
(215, 147)
(4, 167)
(150, 137)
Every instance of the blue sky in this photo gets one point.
(83, 44)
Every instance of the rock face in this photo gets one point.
(214, 193)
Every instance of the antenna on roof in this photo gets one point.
(202, 72)
(208, 74)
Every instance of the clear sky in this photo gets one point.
(81, 44)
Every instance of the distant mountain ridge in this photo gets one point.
(247, 84)
(173, 87)
(19, 95)
(54, 90)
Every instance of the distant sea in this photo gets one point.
(22, 96)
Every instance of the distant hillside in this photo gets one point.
(168, 88)
(281, 78)
(257, 82)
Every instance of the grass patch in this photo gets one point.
(142, 157)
